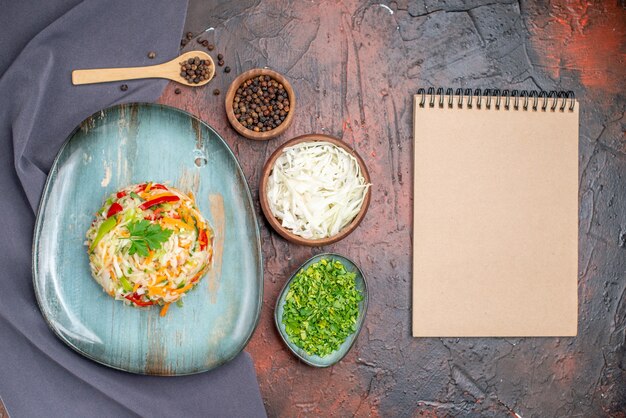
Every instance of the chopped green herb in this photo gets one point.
(321, 307)
(136, 196)
(180, 303)
(145, 236)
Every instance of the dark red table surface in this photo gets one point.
(355, 66)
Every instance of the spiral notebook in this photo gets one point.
(495, 233)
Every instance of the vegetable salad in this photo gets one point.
(149, 245)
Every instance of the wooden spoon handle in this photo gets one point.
(103, 75)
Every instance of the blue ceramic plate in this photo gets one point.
(131, 144)
(335, 356)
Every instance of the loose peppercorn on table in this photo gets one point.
(355, 66)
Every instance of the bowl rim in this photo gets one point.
(230, 95)
(273, 221)
(361, 320)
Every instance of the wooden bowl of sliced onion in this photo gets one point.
(315, 190)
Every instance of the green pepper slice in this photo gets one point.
(104, 229)
(126, 284)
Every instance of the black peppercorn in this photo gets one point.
(220, 57)
(195, 70)
(151, 54)
(177, 91)
(267, 103)
(216, 92)
(227, 69)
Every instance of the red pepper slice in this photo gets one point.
(114, 209)
(155, 215)
(135, 299)
(158, 201)
(120, 195)
(202, 239)
(158, 186)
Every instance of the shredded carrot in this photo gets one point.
(148, 187)
(177, 222)
(155, 291)
(158, 195)
(164, 309)
(150, 257)
(184, 289)
(192, 197)
(136, 287)
(201, 225)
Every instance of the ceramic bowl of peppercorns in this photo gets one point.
(260, 104)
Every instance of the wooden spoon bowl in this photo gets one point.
(276, 224)
(169, 70)
(230, 96)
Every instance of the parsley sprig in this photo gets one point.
(145, 236)
(321, 307)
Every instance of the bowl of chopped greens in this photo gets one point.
(321, 309)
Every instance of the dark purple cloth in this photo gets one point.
(40, 43)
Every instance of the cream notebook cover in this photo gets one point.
(495, 232)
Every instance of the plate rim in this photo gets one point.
(37, 237)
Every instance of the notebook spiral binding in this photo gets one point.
(477, 96)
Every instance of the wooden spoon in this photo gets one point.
(169, 70)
